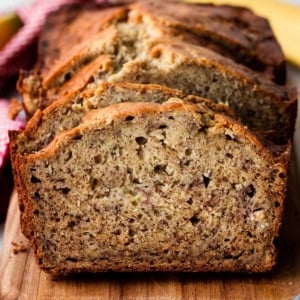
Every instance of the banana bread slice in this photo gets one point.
(146, 186)
(67, 112)
(134, 53)
(233, 32)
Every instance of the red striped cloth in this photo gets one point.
(5, 125)
(19, 54)
(6, 181)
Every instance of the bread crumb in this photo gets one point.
(15, 108)
(19, 247)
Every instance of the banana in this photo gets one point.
(9, 25)
(284, 19)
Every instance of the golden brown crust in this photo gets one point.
(78, 54)
(25, 220)
(81, 79)
(200, 55)
(29, 86)
(74, 21)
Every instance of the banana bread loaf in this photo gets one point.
(118, 171)
(132, 51)
(151, 42)
(231, 31)
(145, 186)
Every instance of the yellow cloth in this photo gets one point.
(284, 19)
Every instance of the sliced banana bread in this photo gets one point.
(231, 31)
(234, 32)
(67, 112)
(130, 51)
(146, 186)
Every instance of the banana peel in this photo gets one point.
(9, 25)
(283, 17)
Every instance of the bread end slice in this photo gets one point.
(154, 187)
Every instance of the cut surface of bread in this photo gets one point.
(68, 112)
(146, 186)
(133, 52)
(146, 42)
